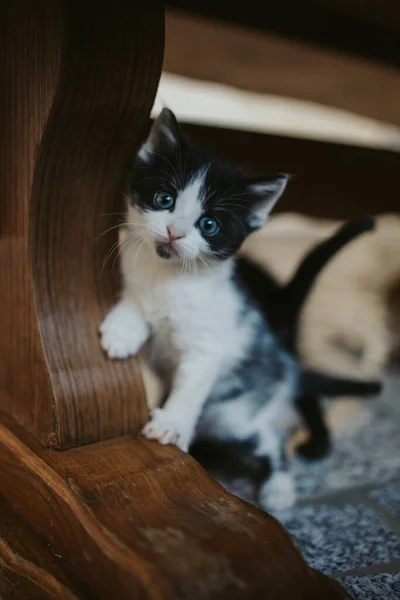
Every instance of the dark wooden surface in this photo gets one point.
(29, 569)
(77, 82)
(329, 180)
(262, 62)
(367, 28)
(131, 518)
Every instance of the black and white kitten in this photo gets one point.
(233, 461)
(189, 214)
(228, 376)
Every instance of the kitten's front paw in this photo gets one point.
(278, 492)
(167, 430)
(122, 333)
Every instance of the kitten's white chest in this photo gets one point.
(197, 312)
(167, 297)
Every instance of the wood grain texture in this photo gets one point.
(28, 566)
(329, 180)
(262, 62)
(134, 519)
(78, 79)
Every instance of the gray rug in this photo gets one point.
(347, 520)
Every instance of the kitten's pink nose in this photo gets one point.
(173, 236)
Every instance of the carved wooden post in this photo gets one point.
(78, 79)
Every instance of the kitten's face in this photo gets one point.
(191, 206)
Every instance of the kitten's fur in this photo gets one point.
(228, 376)
(234, 461)
(283, 304)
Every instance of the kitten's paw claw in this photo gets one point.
(278, 492)
(166, 430)
(116, 347)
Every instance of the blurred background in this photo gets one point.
(227, 75)
(313, 89)
(267, 93)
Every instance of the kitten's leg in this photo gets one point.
(123, 330)
(278, 491)
(175, 423)
(319, 443)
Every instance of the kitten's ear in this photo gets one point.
(267, 192)
(164, 131)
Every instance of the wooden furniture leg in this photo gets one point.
(123, 518)
(78, 81)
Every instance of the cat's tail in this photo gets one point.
(294, 293)
(313, 383)
(283, 304)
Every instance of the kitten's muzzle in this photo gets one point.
(173, 235)
(165, 250)
(168, 249)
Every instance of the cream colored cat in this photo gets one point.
(349, 322)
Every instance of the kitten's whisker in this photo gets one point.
(238, 195)
(137, 253)
(184, 166)
(128, 241)
(169, 162)
(118, 226)
(167, 175)
(109, 254)
(134, 223)
(239, 206)
(226, 192)
(196, 271)
(204, 261)
(116, 245)
(179, 154)
(237, 218)
(124, 243)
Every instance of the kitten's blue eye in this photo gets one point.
(208, 226)
(164, 201)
